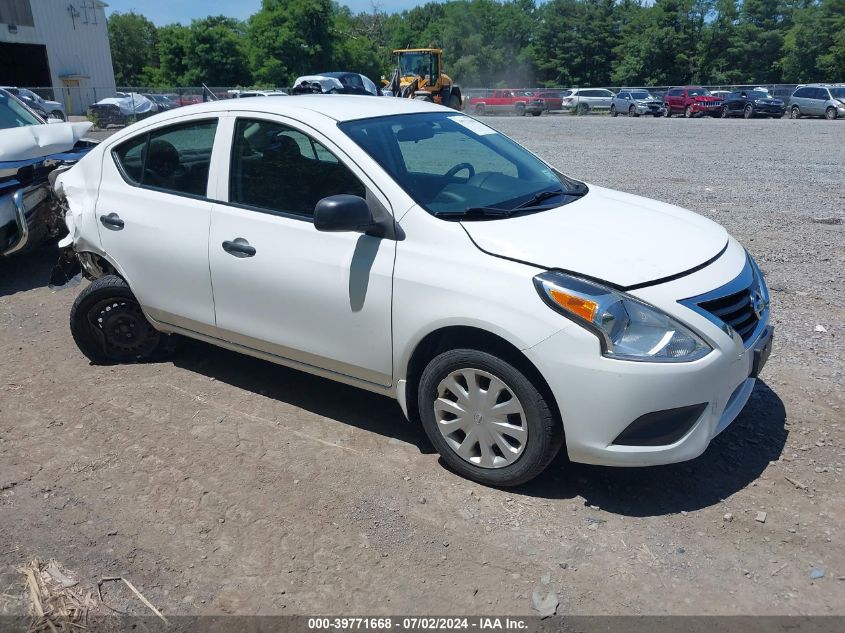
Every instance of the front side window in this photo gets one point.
(278, 168)
(175, 158)
(451, 162)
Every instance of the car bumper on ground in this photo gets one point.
(625, 413)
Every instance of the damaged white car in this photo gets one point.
(31, 151)
(413, 251)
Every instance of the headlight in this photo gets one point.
(628, 329)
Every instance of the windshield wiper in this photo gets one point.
(471, 213)
(537, 198)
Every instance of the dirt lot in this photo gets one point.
(222, 484)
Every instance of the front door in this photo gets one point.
(153, 215)
(282, 287)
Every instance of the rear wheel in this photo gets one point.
(688, 113)
(795, 113)
(536, 113)
(108, 325)
(830, 113)
(480, 109)
(748, 113)
(519, 108)
(486, 418)
(613, 111)
(455, 102)
(668, 110)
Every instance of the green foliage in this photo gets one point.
(490, 43)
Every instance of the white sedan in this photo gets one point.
(415, 252)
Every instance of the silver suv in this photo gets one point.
(582, 100)
(827, 100)
(636, 101)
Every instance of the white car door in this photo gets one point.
(153, 215)
(321, 300)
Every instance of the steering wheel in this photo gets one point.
(460, 166)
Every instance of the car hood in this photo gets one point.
(34, 141)
(616, 237)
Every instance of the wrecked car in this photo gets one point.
(335, 83)
(405, 248)
(121, 109)
(31, 151)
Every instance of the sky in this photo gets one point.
(169, 11)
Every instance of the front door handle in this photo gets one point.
(111, 221)
(239, 247)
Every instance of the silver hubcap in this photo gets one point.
(480, 418)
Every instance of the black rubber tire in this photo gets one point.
(519, 109)
(688, 113)
(58, 115)
(795, 113)
(536, 113)
(613, 111)
(668, 113)
(91, 340)
(830, 113)
(724, 112)
(480, 109)
(632, 111)
(455, 102)
(545, 432)
(748, 113)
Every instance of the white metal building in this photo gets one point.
(58, 44)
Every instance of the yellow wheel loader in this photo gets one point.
(419, 75)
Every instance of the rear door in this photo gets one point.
(153, 214)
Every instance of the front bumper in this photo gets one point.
(646, 108)
(712, 110)
(21, 213)
(599, 398)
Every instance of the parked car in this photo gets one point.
(31, 151)
(827, 100)
(519, 102)
(407, 249)
(122, 109)
(552, 99)
(162, 102)
(244, 94)
(634, 102)
(346, 83)
(691, 101)
(751, 103)
(582, 100)
(44, 107)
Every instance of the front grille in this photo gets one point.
(709, 104)
(737, 310)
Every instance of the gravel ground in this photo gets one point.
(222, 484)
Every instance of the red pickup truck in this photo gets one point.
(519, 102)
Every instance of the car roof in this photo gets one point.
(337, 107)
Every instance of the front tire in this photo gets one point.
(830, 113)
(724, 112)
(455, 102)
(108, 325)
(486, 418)
(480, 109)
(632, 111)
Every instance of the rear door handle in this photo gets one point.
(111, 221)
(239, 247)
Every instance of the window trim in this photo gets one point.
(147, 133)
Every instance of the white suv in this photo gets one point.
(582, 100)
(413, 251)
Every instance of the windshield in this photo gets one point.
(417, 64)
(698, 92)
(14, 114)
(837, 93)
(450, 162)
(641, 94)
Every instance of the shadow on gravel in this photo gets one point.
(349, 405)
(20, 273)
(733, 461)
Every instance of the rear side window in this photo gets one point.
(821, 93)
(175, 159)
(278, 168)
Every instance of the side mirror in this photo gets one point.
(343, 213)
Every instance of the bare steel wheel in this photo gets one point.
(108, 325)
(480, 418)
(489, 418)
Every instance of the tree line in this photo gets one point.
(490, 43)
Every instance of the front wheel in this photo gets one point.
(830, 113)
(455, 102)
(632, 111)
(724, 112)
(108, 325)
(487, 420)
(536, 113)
